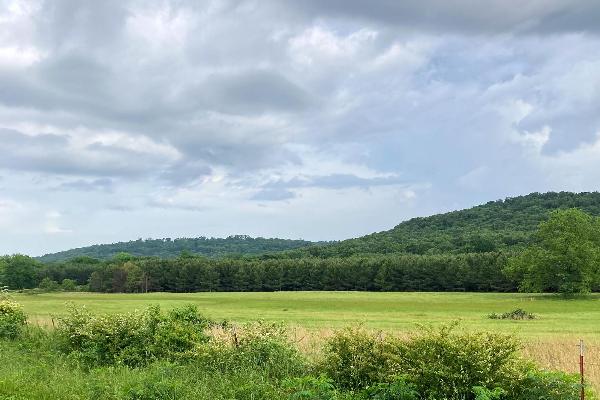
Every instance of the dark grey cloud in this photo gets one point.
(464, 16)
(283, 189)
(185, 173)
(253, 92)
(63, 24)
(54, 154)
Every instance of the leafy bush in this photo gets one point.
(445, 363)
(68, 285)
(48, 285)
(12, 319)
(518, 314)
(398, 390)
(482, 393)
(310, 388)
(550, 385)
(355, 359)
(437, 364)
(259, 344)
(132, 339)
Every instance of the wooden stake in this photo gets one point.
(581, 352)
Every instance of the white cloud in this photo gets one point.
(318, 45)
(14, 57)
(52, 224)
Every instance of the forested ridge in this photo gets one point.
(464, 250)
(494, 226)
(170, 248)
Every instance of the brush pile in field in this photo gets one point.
(518, 314)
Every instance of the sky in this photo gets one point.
(315, 119)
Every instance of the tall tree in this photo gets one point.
(19, 272)
(565, 257)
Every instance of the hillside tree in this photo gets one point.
(565, 256)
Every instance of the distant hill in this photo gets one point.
(170, 248)
(496, 225)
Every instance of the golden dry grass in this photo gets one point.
(562, 353)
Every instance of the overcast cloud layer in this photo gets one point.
(309, 119)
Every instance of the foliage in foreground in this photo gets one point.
(12, 319)
(132, 339)
(181, 355)
(441, 364)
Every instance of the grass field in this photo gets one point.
(550, 339)
(386, 311)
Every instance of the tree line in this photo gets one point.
(187, 273)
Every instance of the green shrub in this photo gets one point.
(256, 345)
(132, 339)
(68, 285)
(546, 385)
(310, 388)
(398, 390)
(354, 359)
(446, 364)
(437, 364)
(12, 319)
(48, 285)
(482, 393)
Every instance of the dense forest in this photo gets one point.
(465, 250)
(170, 248)
(463, 272)
(494, 226)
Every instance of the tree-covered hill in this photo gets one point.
(169, 248)
(496, 225)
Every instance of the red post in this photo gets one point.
(581, 349)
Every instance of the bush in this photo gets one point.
(355, 359)
(132, 339)
(398, 390)
(48, 285)
(68, 285)
(518, 314)
(12, 319)
(445, 363)
(482, 393)
(310, 388)
(440, 364)
(551, 385)
(259, 344)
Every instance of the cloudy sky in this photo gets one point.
(316, 119)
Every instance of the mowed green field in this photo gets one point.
(324, 310)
